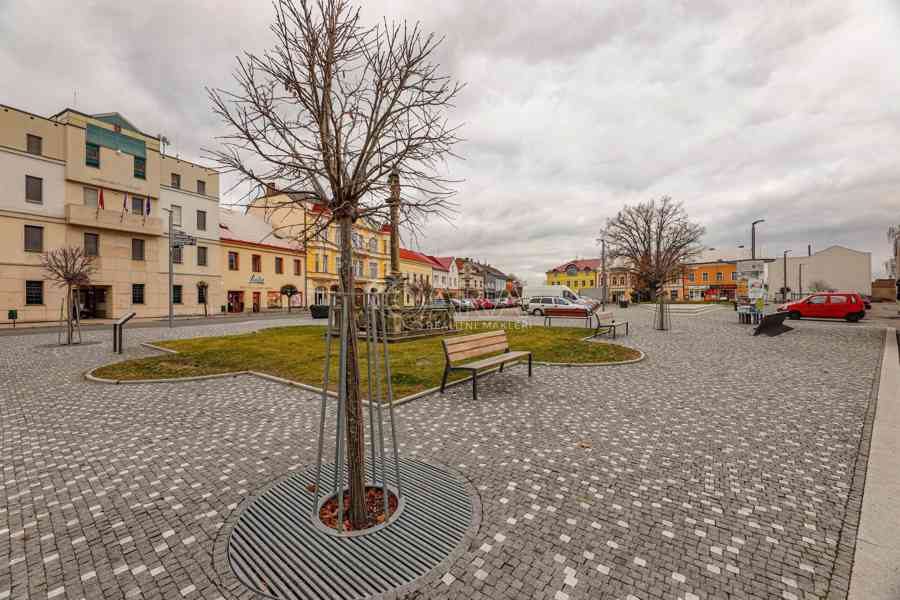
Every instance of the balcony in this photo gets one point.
(94, 218)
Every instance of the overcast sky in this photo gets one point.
(742, 110)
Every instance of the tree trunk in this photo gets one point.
(356, 441)
(69, 308)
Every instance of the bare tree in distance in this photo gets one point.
(329, 115)
(69, 268)
(655, 238)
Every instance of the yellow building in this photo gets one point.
(258, 265)
(417, 269)
(293, 218)
(577, 275)
(98, 182)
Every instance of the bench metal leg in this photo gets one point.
(529, 365)
(444, 378)
(501, 367)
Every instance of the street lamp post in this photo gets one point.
(784, 266)
(753, 237)
(800, 280)
(602, 272)
(171, 265)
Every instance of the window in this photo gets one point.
(91, 197)
(34, 293)
(690, 276)
(337, 264)
(719, 276)
(839, 300)
(373, 245)
(256, 263)
(317, 263)
(137, 293)
(176, 180)
(178, 255)
(92, 155)
(92, 244)
(34, 145)
(734, 275)
(818, 300)
(279, 265)
(201, 294)
(176, 215)
(296, 266)
(137, 205)
(373, 270)
(202, 257)
(140, 167)
(201, 186)
(137, 249)
(705, 276)
(201, 220)
(176, 294)
(324, 263)
(384, 246)
(34, 189)
(34, 238)
(234, 261)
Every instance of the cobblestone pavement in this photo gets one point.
(722, 466)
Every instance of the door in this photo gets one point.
(235, 302)
(838, 306)
(817, 306)
(257, 298)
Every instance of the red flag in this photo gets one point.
(100, 201)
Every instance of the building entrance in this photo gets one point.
(94, 302)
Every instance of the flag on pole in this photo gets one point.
(148, 206)
(124, 205)
(100, 201)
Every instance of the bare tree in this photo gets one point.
(655, 238)
(289, 290)
(330, 114)
(69, 268)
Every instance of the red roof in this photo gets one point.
(418, 257)
(589, 264)
(386, 228)
(445, 261)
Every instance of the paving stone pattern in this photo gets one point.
(722, 466)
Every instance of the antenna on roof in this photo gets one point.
(75, 98)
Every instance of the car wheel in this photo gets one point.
(854, 317)
(794, 316)
(538, 312)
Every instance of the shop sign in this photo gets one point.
(259, 279)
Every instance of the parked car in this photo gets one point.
(484, 304)
(441, 302)
(537, 304)
(827, 305)
(466, 304)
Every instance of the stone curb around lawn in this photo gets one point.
(310, 388)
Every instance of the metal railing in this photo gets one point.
(118, 332)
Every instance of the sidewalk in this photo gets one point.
(876, 567)
(142, 322)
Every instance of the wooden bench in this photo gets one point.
(568, 313)
(470, 346)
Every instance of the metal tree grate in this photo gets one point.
(275, 549)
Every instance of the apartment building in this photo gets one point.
(100, 183)
(305, 222)
(258, 265)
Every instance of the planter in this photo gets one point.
(318, 311)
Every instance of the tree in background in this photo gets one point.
(654, 238)
(70, 268)
(202, 285)
(332, 112)
(290, 291)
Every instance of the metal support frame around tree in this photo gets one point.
(662, 319)
(381, 392)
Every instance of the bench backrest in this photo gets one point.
(468, 346)
(565, 312)
(602, 315)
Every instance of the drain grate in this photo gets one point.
(275, 549)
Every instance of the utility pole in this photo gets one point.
(603, 272)
(753, 237)
(784, 265)
(800, 280)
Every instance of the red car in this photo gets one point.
(484, 303)
(827, 305)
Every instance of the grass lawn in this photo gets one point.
(298, 353)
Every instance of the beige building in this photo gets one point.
(98, 182)
(294, 219)
(257, 265)
(834, 268)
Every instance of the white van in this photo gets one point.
(552, 291)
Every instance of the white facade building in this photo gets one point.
(834, 268)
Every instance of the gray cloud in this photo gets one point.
(742, 110)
